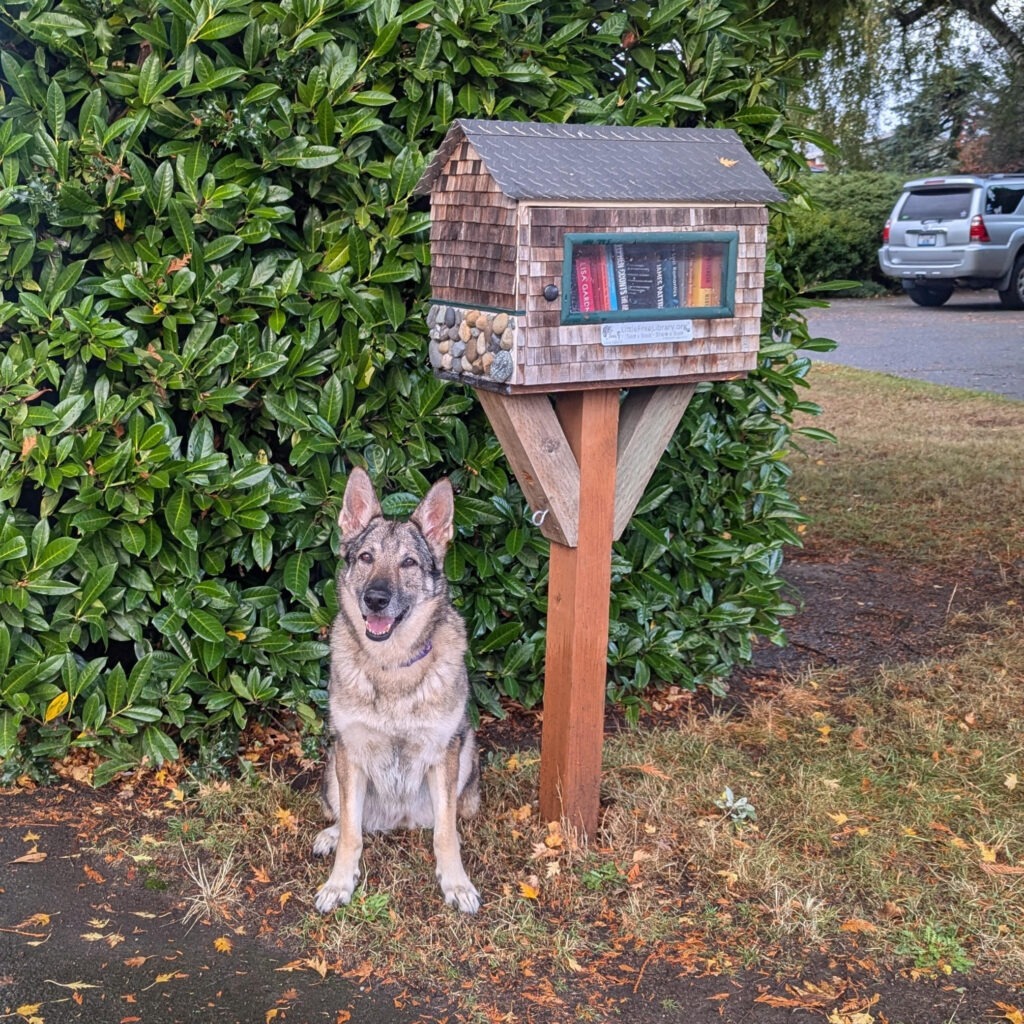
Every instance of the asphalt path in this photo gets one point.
(971, 342)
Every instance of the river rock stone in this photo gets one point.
(502, 367)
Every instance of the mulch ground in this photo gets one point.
(84, 936)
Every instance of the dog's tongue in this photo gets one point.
(379, 625)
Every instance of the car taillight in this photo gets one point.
(978, 231)
(885, 233)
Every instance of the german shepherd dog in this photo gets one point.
(402, 753)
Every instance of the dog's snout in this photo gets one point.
(377, 597)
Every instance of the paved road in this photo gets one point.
(971, 342)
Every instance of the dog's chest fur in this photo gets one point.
(397, 721)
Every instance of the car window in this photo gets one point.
(937, 204)
(1001, 199)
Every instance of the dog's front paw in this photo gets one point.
(462, 895)
(333, 894)
(325, 841)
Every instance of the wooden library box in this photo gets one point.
(579, 256)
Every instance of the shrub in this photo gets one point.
(838, 236)
(213, 294)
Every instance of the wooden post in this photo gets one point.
(579, 586)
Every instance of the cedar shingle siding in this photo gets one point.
(505, 194)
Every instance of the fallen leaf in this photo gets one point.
(135, 961)
(1011, 780)
(222, 944)
(553, 839)
(30, 837)
(28, 1010)
(285, 819)
(528, 892)
(727, 162)
(988, 853)
(35, 921)
(260, 875)
(858, 738)
(1002, 869)
(840, 818)
(344, 1016)
(1011, 1013)
(857, 925)
(271, 1014)
(34, 856)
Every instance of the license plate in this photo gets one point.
(925, 239)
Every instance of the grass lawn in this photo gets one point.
(874, 817)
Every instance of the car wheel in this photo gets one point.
(929, 296)
(1013, 297)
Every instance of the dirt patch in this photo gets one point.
(863, 610)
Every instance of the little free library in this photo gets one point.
(584, 280)
(573, 256)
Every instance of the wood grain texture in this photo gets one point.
(540, 456)
(579, 585)
(647, 420)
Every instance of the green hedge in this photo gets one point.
(214, 282)
(837, 237)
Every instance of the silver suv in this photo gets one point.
(962, 231)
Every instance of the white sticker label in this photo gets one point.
(647, 332)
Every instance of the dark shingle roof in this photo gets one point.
(600, 163)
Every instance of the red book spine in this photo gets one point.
(585, 282)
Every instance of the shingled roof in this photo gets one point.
(599, 163)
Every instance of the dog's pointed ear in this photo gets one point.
(359, 505)
(435, 516)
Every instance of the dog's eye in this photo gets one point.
(409, 562)
(366, 558)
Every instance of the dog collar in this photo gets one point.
(418, 657)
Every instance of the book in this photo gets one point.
(609, 270)
(641, 276)
(669, 271)
(583, 277)
(619, 252)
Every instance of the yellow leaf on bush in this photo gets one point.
(56, 706)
